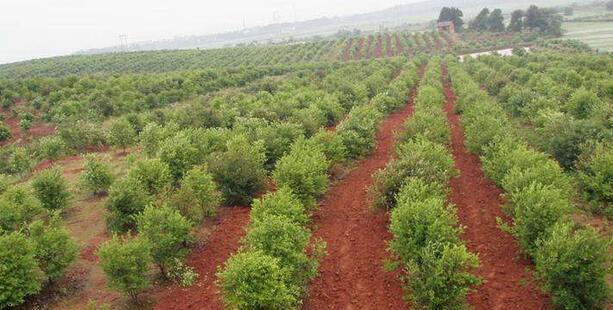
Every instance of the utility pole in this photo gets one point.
(123, 42)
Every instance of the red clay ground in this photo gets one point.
(358, 52)
(379, 47)
(220, 245)
(399, 46)
(347, 50)
(352, 275)
(507, 285)
(390, 49)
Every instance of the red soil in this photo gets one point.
(399, 46)
(358, 53)
(390, 49)
(352, 275)
(223, 241)
(38, 130)
(507, 284)
(347, 50)
(379, 47)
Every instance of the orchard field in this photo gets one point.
(368, 172)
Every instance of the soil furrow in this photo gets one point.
(220, 245)
(352, 275)
(507, 278)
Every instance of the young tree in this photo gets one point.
(52, 147)
(125, 263)
(18, 208)
(51, 189)
(96, 176)
(55, 250)
(121, 134)
(5, 132)
(127, 198)
(19, 275)
(179, 154)
(153, 174)
(239, 170)
(198, 195)
(517, 23)
(454, 15)
(168, 233)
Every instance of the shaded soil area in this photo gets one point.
(379, 47)
(358, 51)
(347, 50)
(390, 46)
(399, 45)
(352, 275)
(508, 283)
(222, 242)
(38, 130)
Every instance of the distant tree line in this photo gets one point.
(533, 19)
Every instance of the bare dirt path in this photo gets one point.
(352, 275)
(222, 242)
(507, 284)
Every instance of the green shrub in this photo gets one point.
(122, 134)
(125, 263)
(54, 247)
(547, 173)
(280, 203)
(19, 275)
(573, 264)
(51, 189)
(154, 175)
(358, 130)
(582, 102)
(417, 158)
(126, 199)
(418, 223)
(179, 154)
(303, 170)
(254, 280)
(96, 176)
(535, 210)
(168, 233)
(17, 209)
(595, 175)
(197, 196)
(331, 144)
(443, 278)
(52, 147)
(5, 182)
(5, 133)
(239, 171)
(278, 138)
(428, 124)
(281, 238)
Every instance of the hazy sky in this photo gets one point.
(41, 28)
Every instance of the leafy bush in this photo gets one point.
(52, 147)
(197, 196)
(331, 145)
(572, 264)
(179, 154)
(443, 278)
(595, 175)
(254, 280)
(278, 237)
(125, 263)
(153, 175)
(19, 275)
(5, 132)
(417, 158)
(18, 208)
(51, 189)
(122, 134)
(547, 173)
(239, 171)
(280, 203)
(55, 249)
(168, 233)
(126, 199)
(96, 176)
(303, 170)
(4, 183)
(428, 124)
(582, 102)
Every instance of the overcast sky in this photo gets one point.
(42, 28)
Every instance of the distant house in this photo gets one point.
(446, 26)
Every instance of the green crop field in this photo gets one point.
(596, 34)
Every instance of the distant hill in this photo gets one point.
(416, 14)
